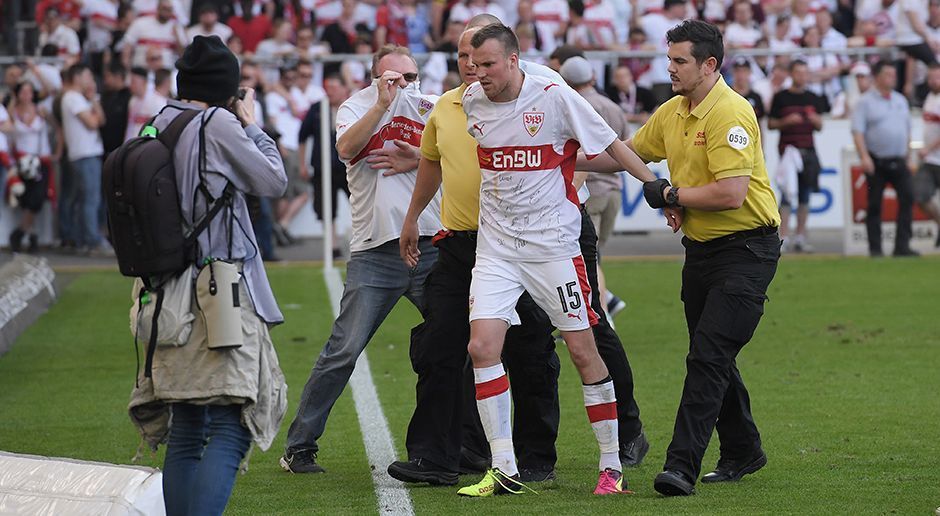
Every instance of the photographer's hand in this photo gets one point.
(245, 108)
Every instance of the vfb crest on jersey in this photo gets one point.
(424, 106)
(533, 121)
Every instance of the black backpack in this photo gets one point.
(144, 216)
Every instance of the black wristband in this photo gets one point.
(653, 192)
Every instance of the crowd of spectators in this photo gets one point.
(126, 49)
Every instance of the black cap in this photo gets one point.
(208, 71)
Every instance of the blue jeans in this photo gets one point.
(86, 198)
(67, 211)
(375, 280)
(206, 445)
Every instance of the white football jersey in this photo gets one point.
(529, 209)
(379, 203)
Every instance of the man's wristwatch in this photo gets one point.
(672, 197)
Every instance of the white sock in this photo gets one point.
(601, 404)
(494, 405)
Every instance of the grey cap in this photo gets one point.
(577, 71)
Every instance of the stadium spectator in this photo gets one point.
(345, 34)
(161, 32)
(526, 23)
(249, 26)
(712, 11)
(144, 104)
(802, 17)
(152, 8)
(562, 54)
(46, 78)
(102, 16)
(796, 112)
(376, 278)
(551, 22)
(69, 12)
(82, 117)
(824, 71)
(405, 23)
(347, 12)
(464, 10)
(592, 25)
(636, 102)
(211, 403)
(912, 34)
(927, 180)
(12, 75)
(305, 91)
(732, 249)
(54, 32)
(115, 102)
(638, 65)
(32, 157)
(881, 129)
(829, 37)
(858, 85)
(780, 40)
(655, 25)
(283, 117)
(743, 32)
(741, 83)
(336, 93)
(273, 52)
(208, 24)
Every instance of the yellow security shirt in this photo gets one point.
(446, 140)
(720, 138)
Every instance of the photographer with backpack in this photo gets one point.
(220, 377)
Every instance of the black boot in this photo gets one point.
(16, 240)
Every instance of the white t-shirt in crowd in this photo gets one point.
(81, 141)
(64, 38)
(932, 126)
(599, 22)
(149, 8)
(267, 52)
(905, 31)
(102, 19)
(283, 119)
(742, 36)
(219, 29)
(32, 138)
(329, 11)
(149, 32)
(655, 26)
(303, 99)
(140, 110)
(461, 12)
(529, 209)
(550, 15)
(798, 25)
(379, 203)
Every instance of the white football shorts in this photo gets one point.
(560, 288)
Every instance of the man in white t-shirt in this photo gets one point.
(54, 32)
(161, 31)
(209, 24)
(286, 118)
(927, 180)
(912, 35)
(144, 104)
(81, 117)
(306, 91)
(742, 32)
(102, 20)
(655, 25)
(529, 130)
(551, 20)
(390, 113)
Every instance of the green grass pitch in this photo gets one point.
(844, 375)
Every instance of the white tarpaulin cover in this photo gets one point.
(46, 486)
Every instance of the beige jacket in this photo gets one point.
(193, 373)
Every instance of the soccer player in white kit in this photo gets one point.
(529, 130)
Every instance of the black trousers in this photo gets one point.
(724, 285)
(894, 171)
(439, 356)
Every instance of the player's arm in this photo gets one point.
(355, 138)
(426, 186)
(603, 163)
(629, 161)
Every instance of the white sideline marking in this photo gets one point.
(392, 495)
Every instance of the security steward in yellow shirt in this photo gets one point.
(728, 213)
(439, 346)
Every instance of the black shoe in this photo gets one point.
(875, 253)
(673, 483)
(527, 475)
(16, 240)
(908, 252)
(417, 471)
(472, 463)
(301, 462)
(632, 453)
(728, 471)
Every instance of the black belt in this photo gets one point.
(739, 235)
(465, 234)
